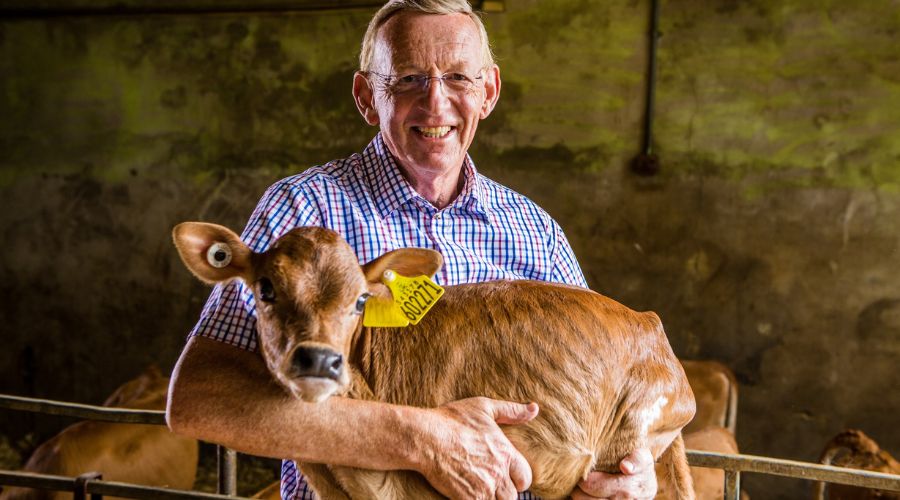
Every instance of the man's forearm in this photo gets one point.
(223, 394)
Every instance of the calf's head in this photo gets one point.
(310, 293)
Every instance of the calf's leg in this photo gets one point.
(676, 468)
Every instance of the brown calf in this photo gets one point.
(715, 390)
(604, 376)
(134, 453)
(853, 449)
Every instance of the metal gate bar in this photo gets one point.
(99, 487)
(735, 464)
(87, 412)
(227, 468)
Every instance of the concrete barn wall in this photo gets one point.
(769, 241)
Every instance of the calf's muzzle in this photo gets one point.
(317, 362)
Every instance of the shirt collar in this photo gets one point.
(472, 195)
(390, 189)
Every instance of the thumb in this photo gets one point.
(638, 461)
(507, 412)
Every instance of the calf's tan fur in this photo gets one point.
(604, 376)
(716, 393)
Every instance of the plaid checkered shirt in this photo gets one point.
(489, 232)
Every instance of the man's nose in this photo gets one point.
(317, 362)
(437, 92)
(434, 81)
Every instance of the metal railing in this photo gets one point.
(92, 485)
(227, 458)
(733, 465)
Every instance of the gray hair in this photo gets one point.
(425, 7)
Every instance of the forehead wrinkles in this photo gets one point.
(423, 41)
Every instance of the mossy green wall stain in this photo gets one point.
(802, 87)
(580, 67)
(134, 95)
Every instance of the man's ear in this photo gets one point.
(405, 262)
(364, 97)
(491, 90)
(212, 252)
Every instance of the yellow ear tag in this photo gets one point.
(412, 298)
(383, 312)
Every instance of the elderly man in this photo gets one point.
(426, 79)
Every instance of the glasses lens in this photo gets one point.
(409, 83)
(455, 83)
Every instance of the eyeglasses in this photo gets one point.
(455, 83)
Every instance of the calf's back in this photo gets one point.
(604, 376)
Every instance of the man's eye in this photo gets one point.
(266, 290)
(408, 79)
(457, 77)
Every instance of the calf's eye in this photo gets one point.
(361, 303)
(266, 290)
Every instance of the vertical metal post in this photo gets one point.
(79, 492)
(227, 477)
(647, 163)
(651, 79)
(732, 484)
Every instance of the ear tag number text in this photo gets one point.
(412, 298)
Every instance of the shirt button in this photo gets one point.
(437, 215)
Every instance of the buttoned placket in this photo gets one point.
(435, 234)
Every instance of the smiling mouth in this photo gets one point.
(434, 132)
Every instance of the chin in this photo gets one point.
(441, 161)
(313, 389)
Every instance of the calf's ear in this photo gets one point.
(212, 252)
(406, 262)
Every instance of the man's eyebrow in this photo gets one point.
(458, 67)
(405, 69)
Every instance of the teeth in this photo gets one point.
(434, 131)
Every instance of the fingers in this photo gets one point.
(579, 494)
(507, 412)
(638, 461)
(638, 479)
(519, 471)
(506, 491)
(478, 461)
(602, 485)
(510, 413)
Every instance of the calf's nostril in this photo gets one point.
(317, 362)
(303, 360)
(335, 364)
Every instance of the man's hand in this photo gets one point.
(471, 457)
(637, 480)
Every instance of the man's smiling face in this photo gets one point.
(430, 130)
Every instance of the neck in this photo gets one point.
(439, 188)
